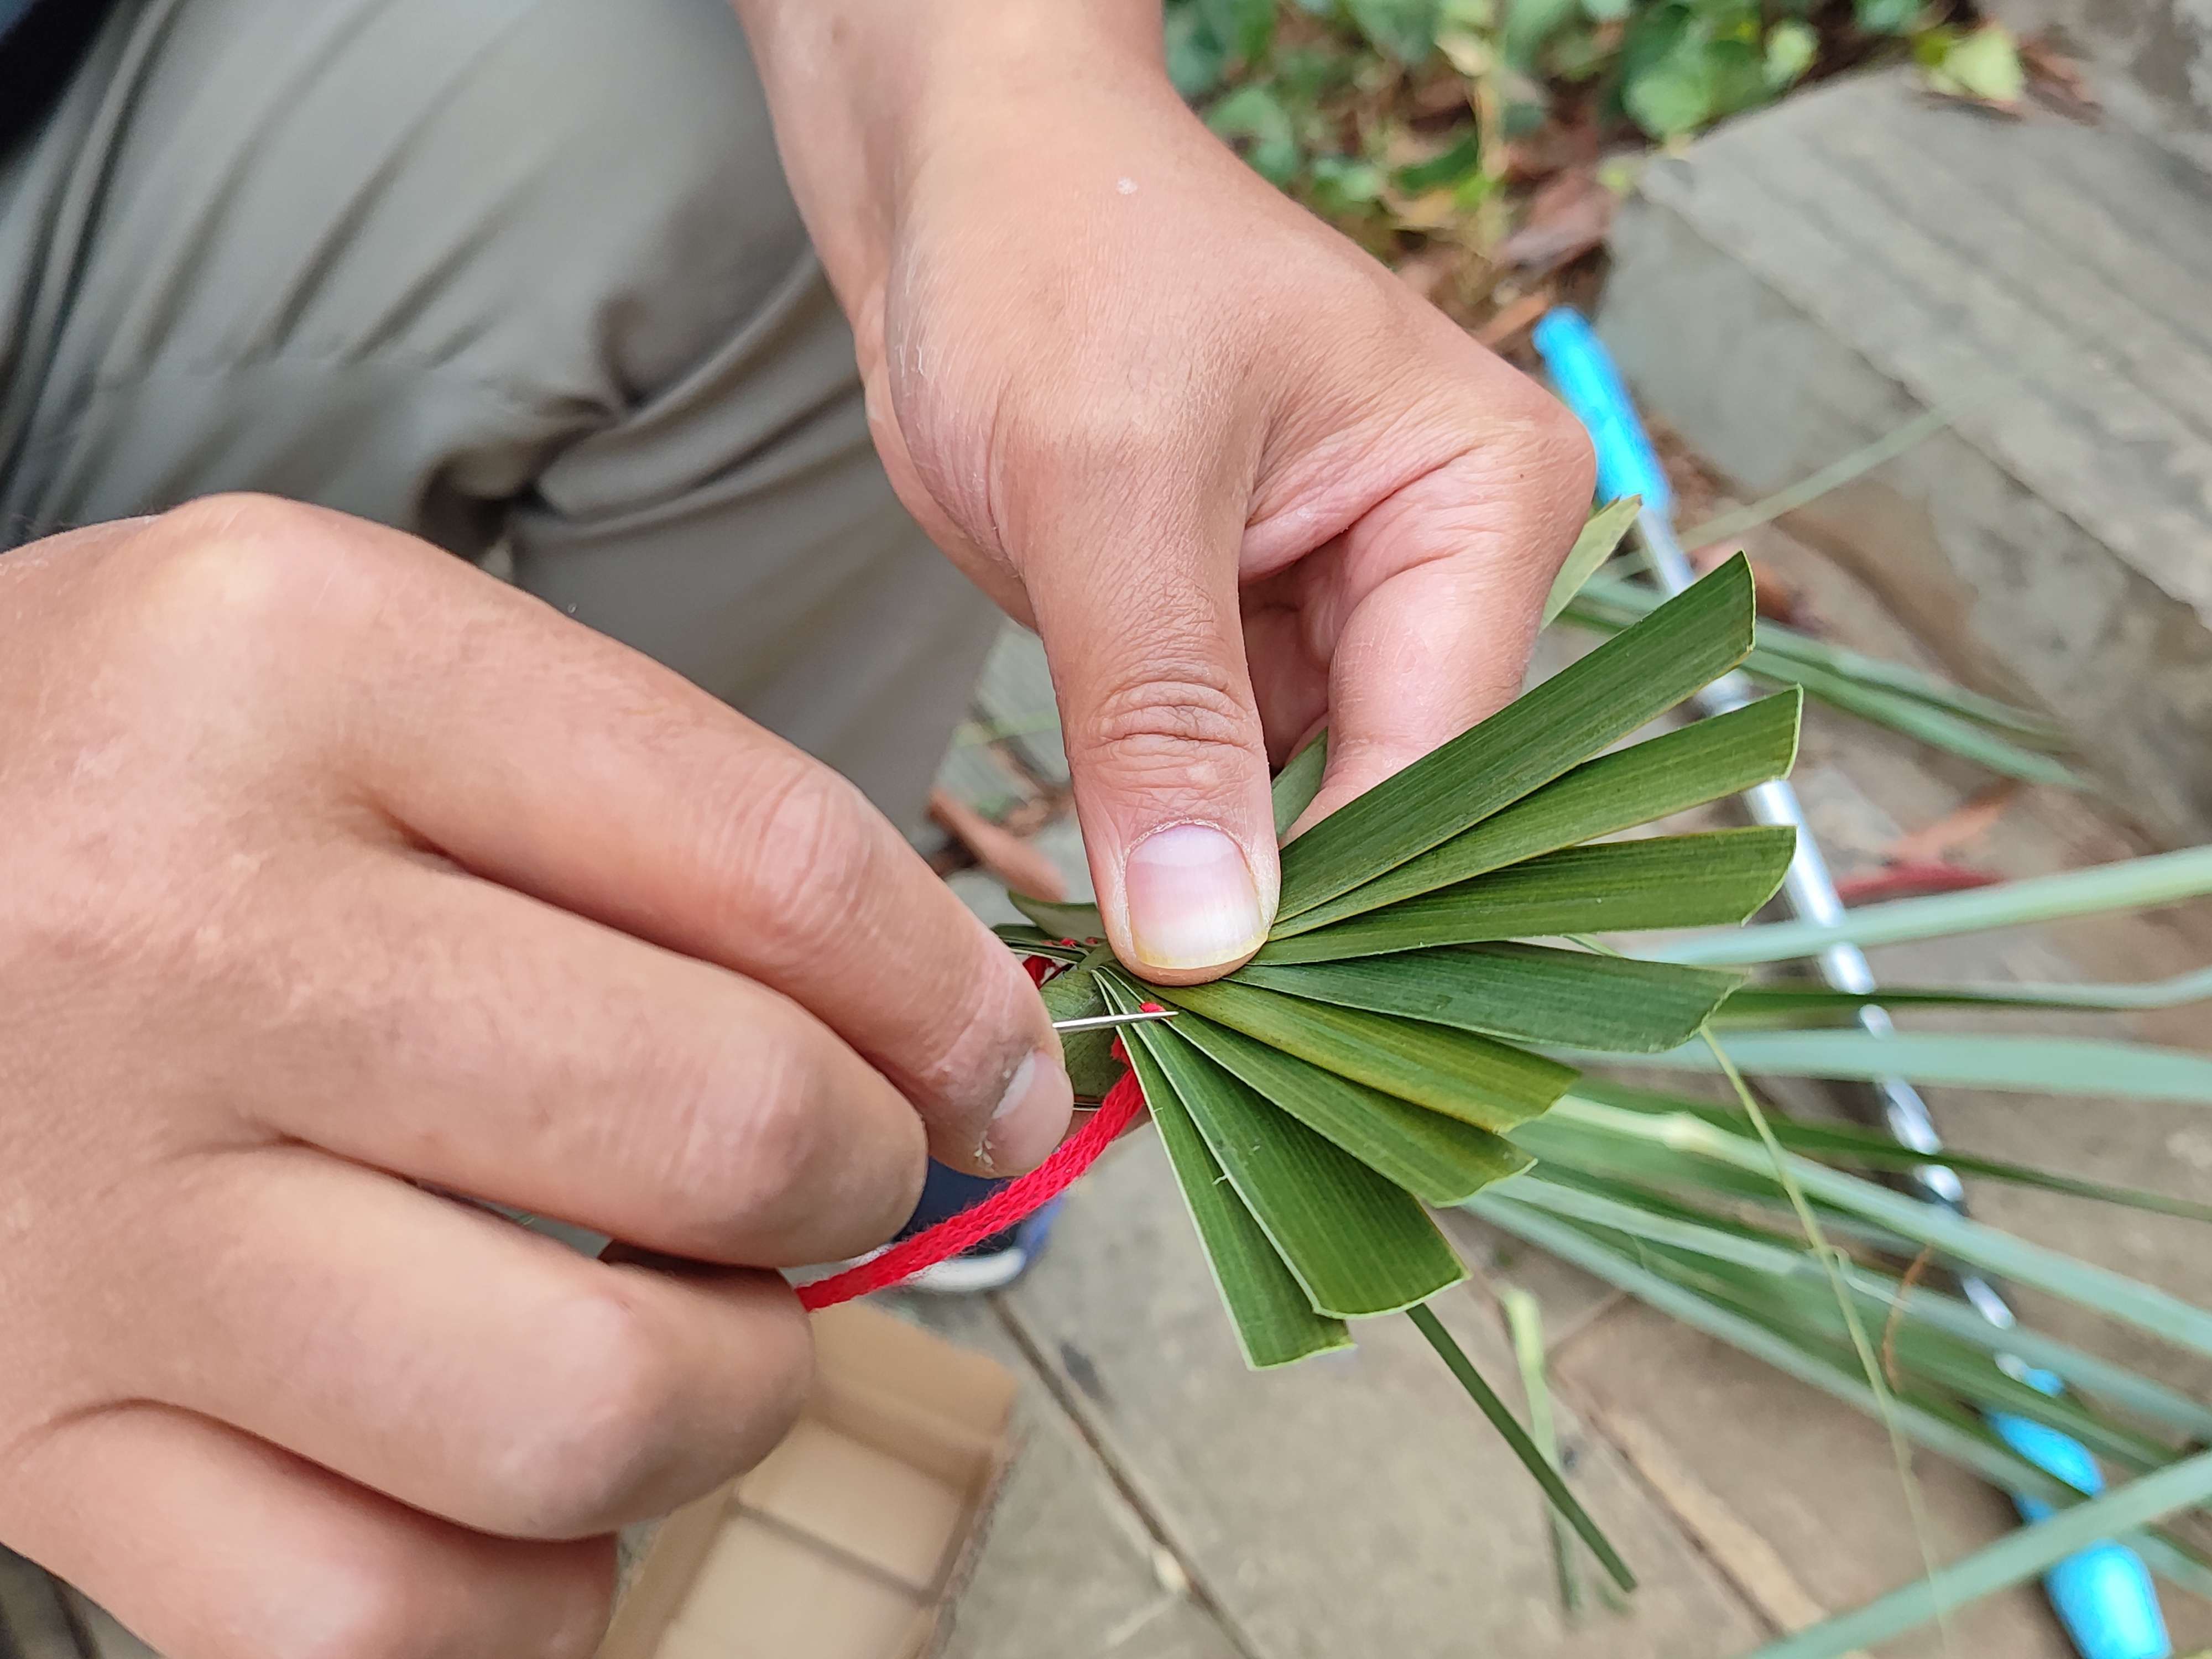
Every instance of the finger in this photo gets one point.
(447, 1358)
(556, 762)
(1435, 600)
(560, 1067)
(209, 1544)
(1164, 741)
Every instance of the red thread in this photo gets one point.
(1015, 1201)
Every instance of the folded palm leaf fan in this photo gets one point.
(1373, 1059)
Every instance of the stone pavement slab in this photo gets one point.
(1810, 279)
(1353, 1504)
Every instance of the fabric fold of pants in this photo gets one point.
(520, 274)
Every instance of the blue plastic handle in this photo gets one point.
(1583, 375)
(2103, 1595)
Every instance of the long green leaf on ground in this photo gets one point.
(1489, 1084)
(1532, 1457)
(1525, 992)
(2012, 1559)
(2078, 1065)
(1794, 1004)
(1358, 1244)
(1850, 1143)
(1274, 1322)
(2132, 884)
(1702, 762)
(1975, 1449)
(2164, 1316)
(1628, 680)
(1662, 881)
(1601, 534)
(1438, 1159)
(1615, 603)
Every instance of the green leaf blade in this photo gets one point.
(1662, 881)
(1275, 1324)
(1705, 761)
(1438, 1159)
(1488, 1084)
(1520, 992)
(1600, 536)
(1358, 1244)
(1625, 683)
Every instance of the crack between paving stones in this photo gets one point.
(1076, 1412)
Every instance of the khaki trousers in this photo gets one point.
(519, 276)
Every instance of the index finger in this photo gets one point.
(557, 762)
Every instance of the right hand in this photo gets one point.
(332, 867)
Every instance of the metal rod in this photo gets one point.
(1810, 891)
(1105, 1022)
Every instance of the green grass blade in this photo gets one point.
(1524, 1324)
(1639, 1221)
(1703, 761)
(1795, 1003)
(1275, 1324)
(1075, 921)
(1600, 535)
(1298, 782)
(1479, 1081)
(1438, 1159)
(1938, 727)
(1662, 881)
(2032, 1065)
(1532, 1459)
(1973, 1447)
(1628, 680)
(1525, 992)
(2011, 1560)
(2131, 885)
(1609, 603)
(2155, 1311)
(1871, 1148)
(1358, 1244)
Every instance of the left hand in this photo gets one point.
(1240, 478)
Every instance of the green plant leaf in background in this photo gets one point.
(1981, 65)
(1245, 28)
(2034, 1065)
(2130, 884)
(1808, 1003)
(1076, 922)
(1701, 763)
(1886, 16)
(1632, 679)
(1663, 881)
(1197, 58)
(1254, 115)
(1438, 1159)
(1275, 1324)
(1791, 47)
(1524, 992)
(1358, 1244)
(1490, 1084)
(1406, 29)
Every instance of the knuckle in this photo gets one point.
(1180, 721)
(603, 1435)
(797, 846)
(225, 568)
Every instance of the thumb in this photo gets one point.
(1165, 747)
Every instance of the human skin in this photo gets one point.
(335, 867)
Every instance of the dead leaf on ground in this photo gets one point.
(1896, 881)
(1514, 319)
(1006, 856)
(1434, 270)
(2058, 80)
(1961, 828)
(1567, 218)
